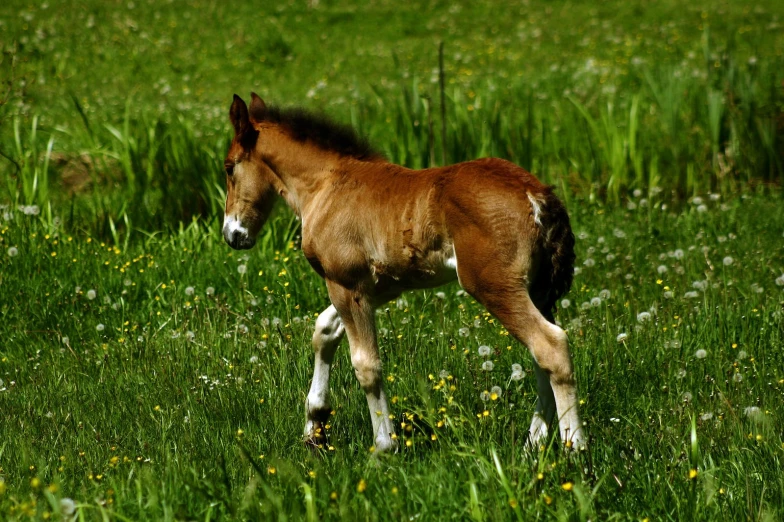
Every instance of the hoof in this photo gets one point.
(316, 437)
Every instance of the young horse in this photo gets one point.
(373, 229)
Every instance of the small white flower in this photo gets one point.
(687, 396)
(441, 295)
(477, 323)
(585, 305)
(643, 317)
(668, 294)
(175, 335)
(637, 193)
(700, 354)
(242, 329)
(728, 261)
(210, 290)
(100, 327)
(497, 390)
(189, 290)
(702, 209)
(13, 251)
(661, 269)
(615, 419)
(622, 337)
(517, 376)
(190, 335)
(742, 355)
(254, 359)
(595, 302)
(737, 377)
(604, 294)
(91, 294)
(681, 373)
(127, 282)
(488, 366)
(780, 280)
(443, 374)
(484, 350)
(691, 295)
(67, 507)
(463, 332)
(276, 322)
(678, 254)
(589, 262)
(242, 269)
(66, 341)
(565, 303)
(517, 367)
(706, 416)
(485, 396)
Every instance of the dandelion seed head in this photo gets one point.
(706, 416)
(661, 269)
(622, 337)
(485, 396)
(728, 261)
(242, 269)
(488, 366)
(604, 294)
(701, 354)
(253, 359)
(565, 303)
(643, 317)
(210, 290)
(175, 334)
(742, 355)
(67, 507)
(496, 390)
(752, 412)
(13, 251)
(189, 290)
(589, 262)
(681, 373)
(737, 377)
(702, 209)
(595, 302)
(91, 294)
(484, 350)
(463, 332)
(100, 327)
(189, 335)
(687, 397)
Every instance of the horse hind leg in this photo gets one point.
(549, 347)
(326, 338)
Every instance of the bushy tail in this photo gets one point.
(557, 240)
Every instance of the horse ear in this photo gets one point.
(257, 108)
(238, 114)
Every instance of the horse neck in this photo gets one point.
(301, 167)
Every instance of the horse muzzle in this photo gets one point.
(236, 235)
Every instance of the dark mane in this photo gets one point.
(322, 131)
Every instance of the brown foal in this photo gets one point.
(373, 229)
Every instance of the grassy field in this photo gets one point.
(147, 371)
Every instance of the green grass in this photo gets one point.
(141, 419)
(123, 390)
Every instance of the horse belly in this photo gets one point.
(426, 270)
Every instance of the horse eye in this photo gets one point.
(229, 169)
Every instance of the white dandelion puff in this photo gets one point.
(565, 303)
(13, 251)
(752, 412)
(737, 377)
(742, 355)
(701, 354)
(780, 280)
(210, 290)
(100, 327)
(189, 290)
(622, 337)
(595, 302)
(661, 269)
(687, 397)
(91, 294)
(189, 335)
(728, 261)
(463, 332)
(496, 390)
(484, 350)
(254, 359)
(242, 269)
(691, 295)
(485, 396)
(643, 317)
(488, 366)
(589, 262)
(706, 416)
(604, 294)
(67, 507)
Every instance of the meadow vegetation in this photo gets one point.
(149, 372)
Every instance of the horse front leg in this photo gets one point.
(357, 314)
(326, 338)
